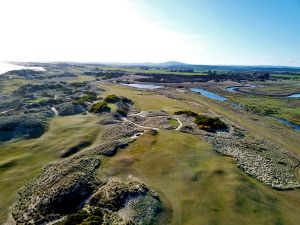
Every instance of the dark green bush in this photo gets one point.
(112, 99)
(88, 97)
(99, 107)
(122, 112)
(209, 123)
(186, 112)
(126, 100)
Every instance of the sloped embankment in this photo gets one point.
(67, 191)
(258, 157)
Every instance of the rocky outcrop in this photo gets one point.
(25, 125)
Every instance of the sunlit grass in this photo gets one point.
(199, 185)
(21, 160)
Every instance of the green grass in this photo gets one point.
(81, 78)
(112, 107)
(38, 100)
(255, 124)
(158, 71)
(276, 88)
(21, 160)
(285, 108)
(8, 86)
(173, 122)
(199, 185)
(144, 100)
(287, 76)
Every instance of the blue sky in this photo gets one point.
(238, 31)
(248, 32)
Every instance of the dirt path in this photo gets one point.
(180, 124)
(54, 110)
(144, 127)
(6, 111)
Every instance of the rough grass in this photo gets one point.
(199, 185)
(173, 122)
(145, 100)
(81, 78)
(8, 86)
(255, 124)
(285, 108)
(286, 76)
(21, 160)
(157, 71)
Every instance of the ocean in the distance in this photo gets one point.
(5, 67)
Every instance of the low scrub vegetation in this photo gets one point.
(209, 123)
(204, 122)
(112, 99)
(88, 97)
(99, 107)
(187, 113)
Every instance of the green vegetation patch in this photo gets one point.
(112, 99)
(173, 122)
(209, 123)
(38, 100)
(187, 113)
(284, 108)
(286, 76)
(88, 97)
(204, 122)
(99, 107)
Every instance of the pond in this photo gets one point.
(297, 95)
(237, 106)
(208, 94)
(144, 86)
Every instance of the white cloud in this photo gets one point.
(89, 30)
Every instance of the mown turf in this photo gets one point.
(200, 186)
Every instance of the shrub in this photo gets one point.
(126, 100)
(209, 123)
(89, 97)
(122, 112)
(99, 107)
(187, 113)
(112, 99)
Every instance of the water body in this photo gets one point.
(294, 95)
(293, 125)
(5, 67)
(208, 94)
(144, 86)
(234, 88)
(237, 106)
